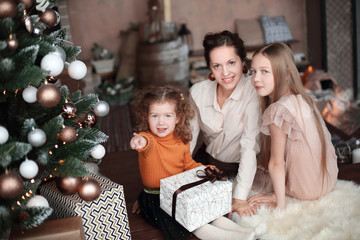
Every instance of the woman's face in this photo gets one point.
(262, 76)
(226, 66)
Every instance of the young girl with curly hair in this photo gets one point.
(163, 141)
(163, 123)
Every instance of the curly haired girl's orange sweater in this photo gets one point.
(163, 157)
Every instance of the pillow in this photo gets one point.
(275, 29)
(250, 32)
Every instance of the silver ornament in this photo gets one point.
(101, 108)
(60, 52)
(37, 137)
(28, 169)
(29, 94)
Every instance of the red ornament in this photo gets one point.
(89, 190)
(11, 185)
(48, 17)
(68, 185)
(48, 95)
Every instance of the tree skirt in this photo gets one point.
(335, 216)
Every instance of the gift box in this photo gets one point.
(198, 204)
(61, 229)
(104, 218)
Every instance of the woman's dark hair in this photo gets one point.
(224, 38)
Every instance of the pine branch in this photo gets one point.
(37, 216)
(20, 79)
(72, 52)
(93, 134)
(13, 151)
(84, 105)
(72, 166)
(80, 149)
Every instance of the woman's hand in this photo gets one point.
(137, 142)
(242, 207)
(259, 200)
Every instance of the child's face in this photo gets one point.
(162, 118)
(226, 66)
(262, 76)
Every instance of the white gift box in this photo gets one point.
(198, 205)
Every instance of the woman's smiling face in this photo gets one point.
(226, 66)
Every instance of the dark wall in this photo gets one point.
(315, 33)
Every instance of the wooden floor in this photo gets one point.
(122, 167)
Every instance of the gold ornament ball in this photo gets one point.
(48, 17)
(68, 185)
(11, 185)
(89, 190)
(7, 9)
(12, 43)
(48, 95)
(27, 3)
(68, 134)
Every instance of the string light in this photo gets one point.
(18, 203)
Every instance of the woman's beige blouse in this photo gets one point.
(231, 133)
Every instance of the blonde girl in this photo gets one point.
(297, 146)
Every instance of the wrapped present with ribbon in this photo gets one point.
(103, 218)
(196, 197)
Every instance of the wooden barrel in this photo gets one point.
(163, 63)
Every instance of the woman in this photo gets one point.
(228, 115)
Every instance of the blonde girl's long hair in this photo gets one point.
(160, 94)
(287, 80)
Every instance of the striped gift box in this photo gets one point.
(104, 218)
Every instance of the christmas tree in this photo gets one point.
(46, 132)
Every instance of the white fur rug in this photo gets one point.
(335, 216)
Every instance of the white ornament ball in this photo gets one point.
(77, 70)
(37, 201)
(28, 169)
(101, 108)
(29, 94)
(37, 137)
(52, 63)
(60, 52)
(4, 135)
(98, 152)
